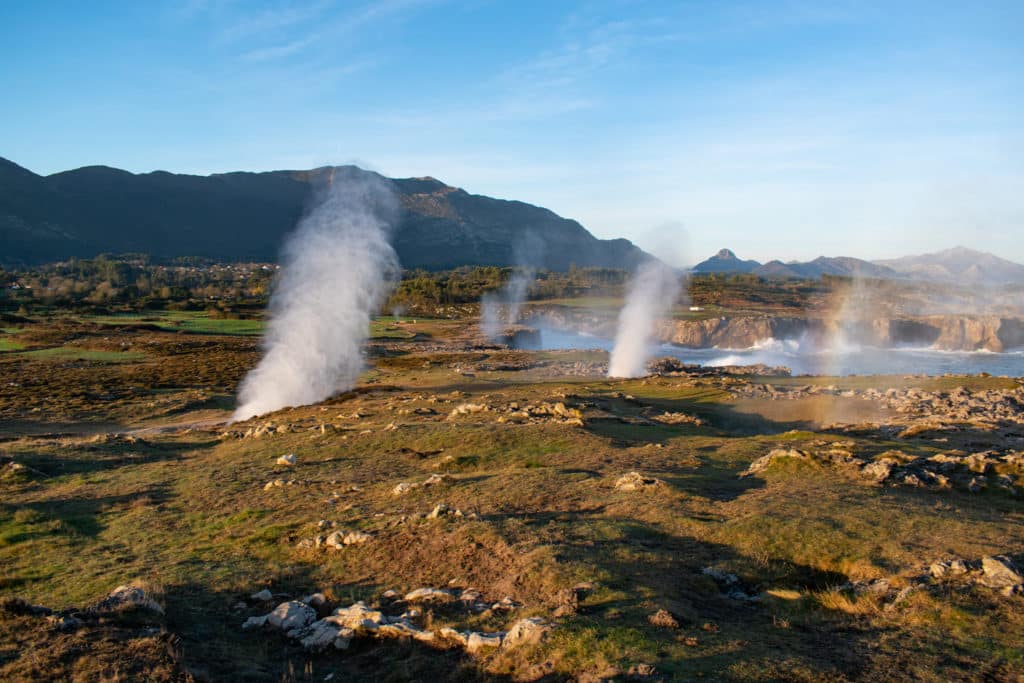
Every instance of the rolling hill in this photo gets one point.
(959, 264)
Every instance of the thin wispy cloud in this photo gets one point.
(581, 53)
(326, 27)
(279, 51)
(273, 20)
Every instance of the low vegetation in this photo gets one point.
(480, 471)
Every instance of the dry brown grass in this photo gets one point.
(186, 511)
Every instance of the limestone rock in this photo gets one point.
(429, 595)
(315, 599)
(325, 633)
(443, 510)
(358, 617)
(634, 481)
(455, 636)
(764, 462)
(879, 470)
(403, 629)
(528, 631)
(467, 409)
(128, 597)
(998, 571)
(356, 538)
(339, 539)
(291, 615)
(287, 460)
(476, 642)
(254, 622)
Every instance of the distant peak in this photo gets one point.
(725, 254)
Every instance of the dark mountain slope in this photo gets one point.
(243, 216)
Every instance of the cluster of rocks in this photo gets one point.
(529, 413)
(730, 585)
(405, 487)
(578, 368)
(445, 510)
(673, 367)
(634, 481)
(116, 438)
(126, 598)
(888, 594)
(537, 367)
(990, 407)
(516, 363)
(340, 538)
(994, 406)
(670, 418)
(268, 429)
(335, 540)
(771, 391)
(280, 483)
(833, 455)
(971, 472)
(998, 572)
(299, 621)
(419, 410)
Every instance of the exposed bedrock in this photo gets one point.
(946, 332)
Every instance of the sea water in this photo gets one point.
(803, 359)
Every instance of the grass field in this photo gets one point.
(192, 322)
(8, 344)
(181, 506)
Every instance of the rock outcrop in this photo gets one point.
(298, 621)
(946, 332)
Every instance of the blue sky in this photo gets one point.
(779, 129)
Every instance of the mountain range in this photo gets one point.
(959, 264)
(244, 216)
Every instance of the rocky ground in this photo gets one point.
(471, 512)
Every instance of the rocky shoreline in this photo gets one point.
(941, 332)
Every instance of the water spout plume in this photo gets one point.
(650, 296)
(338, 267)
(501, 309)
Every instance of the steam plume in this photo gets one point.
(501, 308)
(338, 268)
(651, 294)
